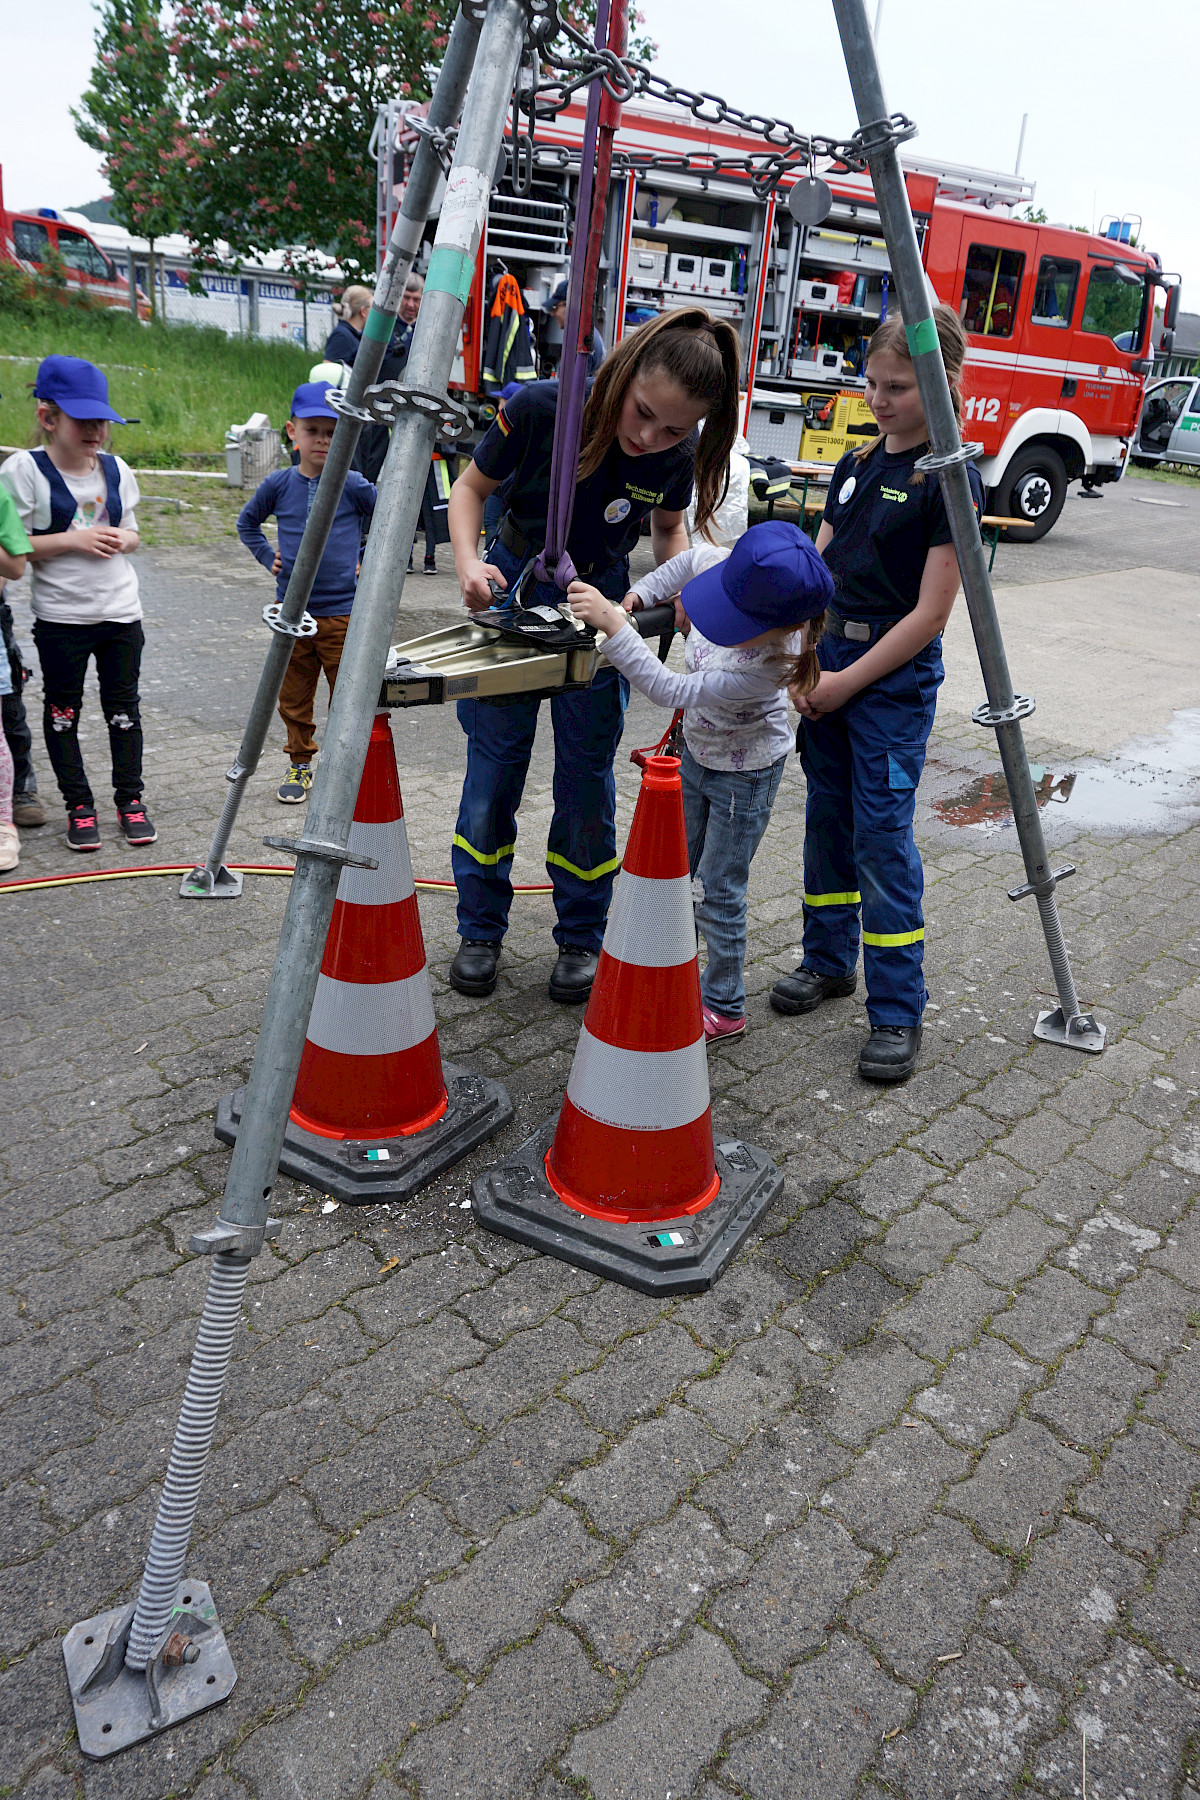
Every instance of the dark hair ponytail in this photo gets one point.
(701, 355)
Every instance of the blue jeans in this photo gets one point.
(862, 764)
(725, 812)
(581, 853)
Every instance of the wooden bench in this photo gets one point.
(995, 524)
(812, 505)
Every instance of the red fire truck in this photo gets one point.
(29, 239)
(1058, 320)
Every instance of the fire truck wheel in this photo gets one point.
(1034, 490)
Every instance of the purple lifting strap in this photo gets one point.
(554, 564)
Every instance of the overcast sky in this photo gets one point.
(1110, 129)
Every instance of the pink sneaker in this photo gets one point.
(719, 1025)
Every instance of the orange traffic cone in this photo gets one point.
(628, 1182)
(634, 1138)
(376, 1114)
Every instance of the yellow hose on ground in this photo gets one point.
(34, 882)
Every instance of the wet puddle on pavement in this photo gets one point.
(1153, 784)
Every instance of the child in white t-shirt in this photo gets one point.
(77, 505)
(753, 616)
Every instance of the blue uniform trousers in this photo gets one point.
(581, 853)
(862, 764)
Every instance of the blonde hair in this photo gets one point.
(892, 338)
(47, 416)
(354, 300)
(803, 672)
(701, 355)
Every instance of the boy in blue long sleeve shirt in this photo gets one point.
(288, 494)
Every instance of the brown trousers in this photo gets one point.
(299, 690)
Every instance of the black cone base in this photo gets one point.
(366, 1172)
(660, 1256)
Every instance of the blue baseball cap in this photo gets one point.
(76, 387)
(309, 402)
(773, 577)
(558, 296)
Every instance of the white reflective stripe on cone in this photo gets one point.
(639, 1090)
(377, 1018)
(651, 923)
(392, 881)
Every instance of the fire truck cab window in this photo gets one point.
(30, 240)
(1113, 307)
(991, 288)
(79, 253)
(1054, 295)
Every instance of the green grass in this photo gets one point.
(1179, 472)
(186, 385)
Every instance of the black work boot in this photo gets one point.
(804, 989)
(890, 1053)
(473, 970)
(572, 976)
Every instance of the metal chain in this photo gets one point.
(624, 78)
(443, 141)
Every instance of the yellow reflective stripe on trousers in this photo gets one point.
(832, 899)
(892, 940)
(490, 857)
(554, 860)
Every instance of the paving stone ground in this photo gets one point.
(906, 1506)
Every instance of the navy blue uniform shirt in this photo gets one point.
(884, 526)
(289, 495)
(609, 506)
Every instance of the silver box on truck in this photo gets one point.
(776, 426)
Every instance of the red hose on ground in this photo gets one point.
(49, 881)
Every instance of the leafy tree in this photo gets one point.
(253, 117)
(282, 98)
(130, 113)
(281, 102)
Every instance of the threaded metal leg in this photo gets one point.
(1060, 962)
(189, 1455)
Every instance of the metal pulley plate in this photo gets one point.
(809, 201)
(383, 403)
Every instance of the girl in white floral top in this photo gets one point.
(753, 616)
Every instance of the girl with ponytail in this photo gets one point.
(642, 456)
(864, 726)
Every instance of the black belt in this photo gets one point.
(859, 631)
(514, 539)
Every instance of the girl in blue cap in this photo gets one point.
(77, 504)
(752, 616)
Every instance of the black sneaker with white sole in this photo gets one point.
(136, 825)
(83, 831)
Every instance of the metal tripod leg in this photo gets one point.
(211, 880)
(239, 1232)
(1004, 710)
